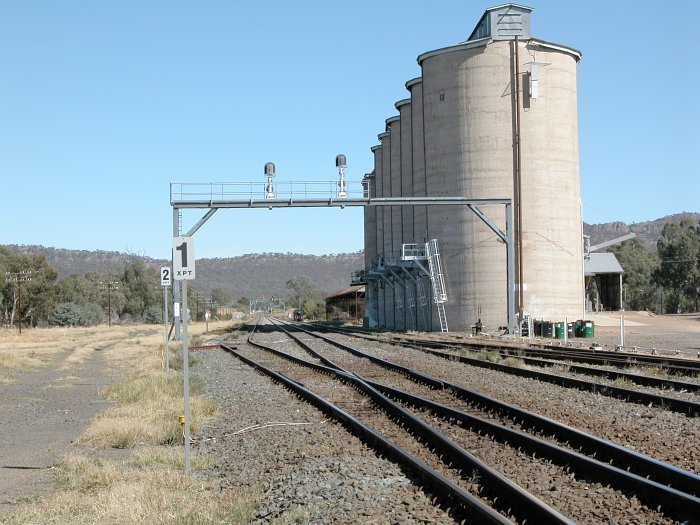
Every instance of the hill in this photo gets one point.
(266, 273)
(649, 231)
(248, 275)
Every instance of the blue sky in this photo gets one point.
(103, 104)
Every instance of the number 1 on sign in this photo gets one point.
(183, 252)
(183, 258)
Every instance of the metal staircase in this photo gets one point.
(438, 280)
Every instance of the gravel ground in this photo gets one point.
(311, 472)
(316, 472)
(664, 435)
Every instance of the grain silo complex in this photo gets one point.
(493, 117)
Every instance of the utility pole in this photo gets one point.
(18, 278)
(108, 287)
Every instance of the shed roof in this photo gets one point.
(350, 290)
(599, 263)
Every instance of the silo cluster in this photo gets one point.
(492, 117)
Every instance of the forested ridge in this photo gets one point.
(43, 286)
(250, 274)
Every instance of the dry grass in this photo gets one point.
(491, 356)
(148, 405)
(60, 347)
(150, 486)
(140, 490)
(513, 361)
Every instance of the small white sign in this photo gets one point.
(177, 310)
(165, 276)
(183, 258)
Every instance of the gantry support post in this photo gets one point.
(507, 237)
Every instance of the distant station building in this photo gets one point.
(346, 305)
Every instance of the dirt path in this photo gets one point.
(665, 332)
(41, 414)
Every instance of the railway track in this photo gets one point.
(664, 399)
(511, 449)
(667, 364)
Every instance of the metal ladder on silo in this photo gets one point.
(438, 281)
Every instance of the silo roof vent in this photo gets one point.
(504, 22)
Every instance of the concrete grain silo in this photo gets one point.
(407, 212)
(379, 242)
(387, 238)
(420, 216)
(393, 126)
(495, 117)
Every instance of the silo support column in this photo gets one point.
(510, 255)
(506, 237)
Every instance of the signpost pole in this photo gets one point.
(165, 280)
(165, 328)
(186, 374)
(183, 270)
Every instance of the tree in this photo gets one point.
(679, 267)
(38, 292)
(313, 310)
(220, 296)
(302, 288)
(640, 290)
(138, 285)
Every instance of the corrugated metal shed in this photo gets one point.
(601, 263)
(350, 290)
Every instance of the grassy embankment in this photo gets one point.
(147, 484)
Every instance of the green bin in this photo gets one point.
(559, 330)
(578, 328)
(588, 329)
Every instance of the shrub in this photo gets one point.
(73, 314)
(66, 314)
(153, 315)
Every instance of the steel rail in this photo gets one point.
(605, 450)
(676, 502)
(651, 492)
(590, 356)
(523, 353)
(656, 382)
(430, 478)
(507, 495)
(689, 408)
